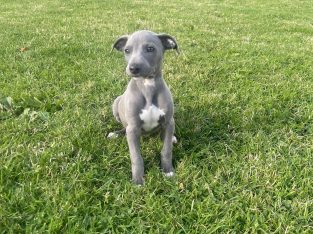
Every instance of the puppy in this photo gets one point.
(147, 103)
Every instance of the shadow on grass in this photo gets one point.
(198, 128)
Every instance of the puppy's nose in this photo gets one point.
(134, 69)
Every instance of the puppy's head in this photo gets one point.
(143, 52)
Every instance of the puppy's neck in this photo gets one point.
(148, 87)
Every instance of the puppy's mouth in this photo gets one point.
(140, 76)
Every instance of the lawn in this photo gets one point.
(243, 93)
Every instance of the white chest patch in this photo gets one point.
(150, 117)
(149, 82)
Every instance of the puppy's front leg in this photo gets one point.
(166, 153)
(133, 139)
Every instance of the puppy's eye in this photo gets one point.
(150, 49)
(127, 51)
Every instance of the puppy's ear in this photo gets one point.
(168, 42)
(120, 43)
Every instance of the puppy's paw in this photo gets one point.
(169, 174)
(139, 181)
(112, 135)
(174, 139)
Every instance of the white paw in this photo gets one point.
(169, 174)
(174, 140)
(112, 135)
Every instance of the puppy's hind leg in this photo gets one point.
(115, 109)
(121, 132)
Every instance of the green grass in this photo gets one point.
(243, 96)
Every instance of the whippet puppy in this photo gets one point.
(147, 103)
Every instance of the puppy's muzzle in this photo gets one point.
(134, 69)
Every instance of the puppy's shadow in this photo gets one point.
(199, 130)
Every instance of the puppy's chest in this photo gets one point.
(151, 117)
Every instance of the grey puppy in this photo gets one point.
(147, 103)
